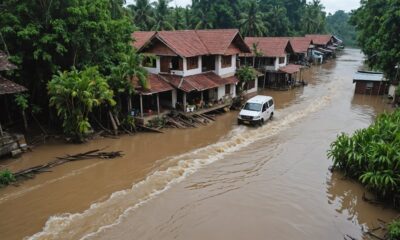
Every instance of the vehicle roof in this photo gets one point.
(259, 99)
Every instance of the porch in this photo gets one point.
(155, 101)
(285, 78)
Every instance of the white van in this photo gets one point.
(257, 110)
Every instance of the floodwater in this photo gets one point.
(220, 181)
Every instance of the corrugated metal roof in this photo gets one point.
(9, 87)
(368, 76)
(189, 43)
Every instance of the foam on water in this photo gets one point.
(103, 215)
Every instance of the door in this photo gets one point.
(264, 113)
(165, 64)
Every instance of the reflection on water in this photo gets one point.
(347, 197)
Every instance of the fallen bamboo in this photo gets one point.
(68, 158)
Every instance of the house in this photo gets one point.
(199, 65)
(302, 49)
(270, 55)
(370, 83)
(325, 44)
(9, 143)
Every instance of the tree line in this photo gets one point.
(253, 18)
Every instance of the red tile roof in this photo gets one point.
(9, 87)
(190, 43)
(156, 83)
(141, 38)
(198, 82)
(319, 39)
(4, 63)
(290, 68)
(269, 46)
(300, 44)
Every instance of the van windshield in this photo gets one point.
(252, 107)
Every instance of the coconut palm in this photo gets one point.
(161, 15)
(143, 14)
(251, 23)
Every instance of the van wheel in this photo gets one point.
(261, 122)
(239, 122)
(271, 116)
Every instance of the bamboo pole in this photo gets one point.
(184, 101)
(141, 106)
(158, 104)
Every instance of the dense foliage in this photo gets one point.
(394, 230)
(339, 25)
(245, 74)
(74, 94)
(252, 17)
(377, 23)
(371, 155)
(47, 36)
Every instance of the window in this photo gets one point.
(228, 89)
(369, 85)
(265, 106)
(226, 61)
(150, 62)
(252, 107)
(281, 60)
(192, 62)
(271, 102)
(270, 61)
(176, 63)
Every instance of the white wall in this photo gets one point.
(253, 89)
(225, 71)
(155, 70)
(174, 97)
(221, 92)
(190, 72)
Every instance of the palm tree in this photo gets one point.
(143, 14)
(251, 23)
(161, 15)
(313, 19)
(278, 21)
(204, 22)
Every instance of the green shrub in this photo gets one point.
(371, 155)
(74, 94)
(394, 230)
(6, 177)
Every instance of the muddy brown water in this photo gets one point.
(220, 181)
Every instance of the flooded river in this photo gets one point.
(220, 181)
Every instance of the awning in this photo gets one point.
(291, 68)
(368, 76)
(9, 87)
(198, 82)
(156, 85)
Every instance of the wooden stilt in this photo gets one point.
(158, 103)
(1, 130)
(141, 106)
